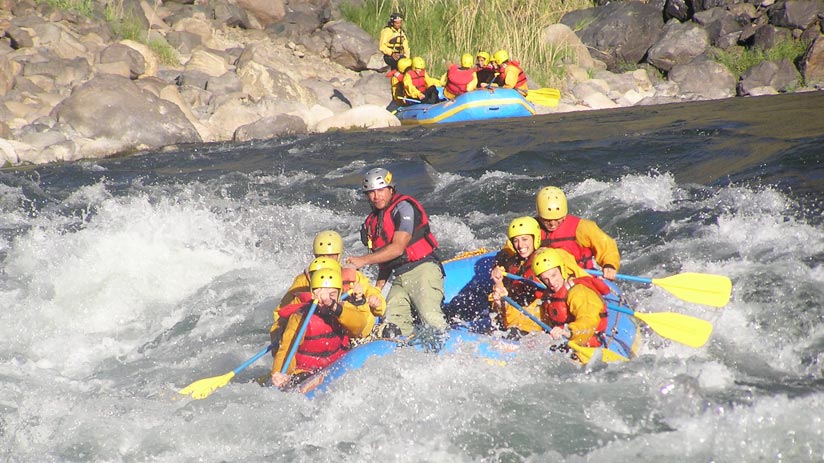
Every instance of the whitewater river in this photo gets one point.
(124, 280)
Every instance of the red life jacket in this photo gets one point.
(457, 79)
(379, 228)
(323, 341)
(520, 291)
(557, 310)
(418, 79)
(521, 75)
(564, 238)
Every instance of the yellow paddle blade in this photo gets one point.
(701, 288)
(202, 388)
(544, 96)
(585, 354)
(691, 331)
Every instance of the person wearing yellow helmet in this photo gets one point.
(484, 69)
(327, 248)
(510, 73)
(460, 79)
(400, 242)
(573, 306)
(580, 237)
(393, 42)
(418, 85)
(327, 333)
(524, 236)
(396, 82)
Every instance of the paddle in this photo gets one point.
(412, 100)
(584, 353)
(691, 331)
(202, 388)
(700, 288)
(544, 96)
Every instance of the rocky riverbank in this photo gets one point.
(257, 69)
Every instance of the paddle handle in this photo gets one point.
(529, 315)
(623, 277)
(299, 337)
(253, 359)
(537, 284)
(410, 99)
(622, 309)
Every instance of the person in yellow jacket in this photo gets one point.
(396, 82)
(328, 250)
(418, 85)
(574, 307)
(510, 73)
(393, 42)
(580, 237)
(327, 332)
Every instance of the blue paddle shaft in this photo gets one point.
(529, 315)
(618, 308)
(299, 337)
(623, 277)
(537, 284)
(540, 285)
(253, 359)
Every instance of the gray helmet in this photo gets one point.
(377, 178)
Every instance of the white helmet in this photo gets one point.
(377, 178)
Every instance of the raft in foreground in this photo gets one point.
(466, 287)
(476, 105)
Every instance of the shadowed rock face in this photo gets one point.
(115, 108)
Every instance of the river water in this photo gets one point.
(123, 280)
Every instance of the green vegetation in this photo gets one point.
(441, 30)
(84, 7)
(738, 59)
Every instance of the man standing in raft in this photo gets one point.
(580, 237)
(399, 240)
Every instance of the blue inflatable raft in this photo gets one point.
(466, 287)
(472, 106)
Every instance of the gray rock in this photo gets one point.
(767, 36)
(621, 33)
(115, 109)
(795, 14)
(351, 46)
(680, 44)
(704, 79)
(229, 82)
(271, 127)
(118, 52)
(677, 9)
(780, 75)
(812, 63)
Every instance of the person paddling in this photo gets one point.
(581, 237)
(510, 73)
(326, 337)
(418, 85)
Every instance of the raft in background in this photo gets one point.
(476, 105)
(466, 287)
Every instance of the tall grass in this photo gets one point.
(441, 30)
(84, 7)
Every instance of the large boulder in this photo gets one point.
(265, 11)
(621, 32)
(812, 63)
(271, 127)
(704, 79)
(796, 14)
(351, 46)
(561, 37)
(780, 75)
(680, 44)
(121, 116)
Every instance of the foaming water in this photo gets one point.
(124, 280)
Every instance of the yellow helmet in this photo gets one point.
(525, 226)
(403, 64)
(325, 278)
(551, 203)
(324, 262)
(501, 56)
(327, 242)
(484, 55)
(418, 63)
(467, 61)
(546, 259)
